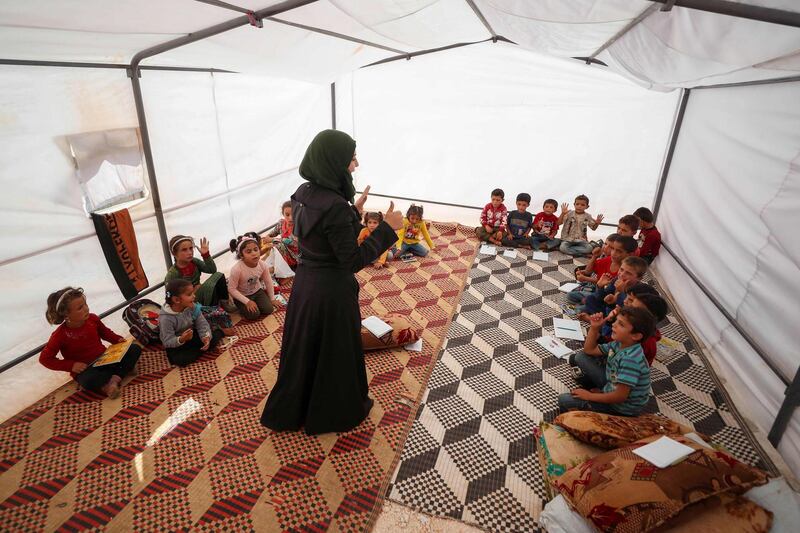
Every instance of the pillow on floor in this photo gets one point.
(611, 431)
(722, 513)
(619, 491)
(559, 451)
(403, 332)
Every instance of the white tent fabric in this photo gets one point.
(446, 126)
(493, 115)
(679, 48)
(730, 214)
(214, 138)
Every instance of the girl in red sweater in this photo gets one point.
(78, 340)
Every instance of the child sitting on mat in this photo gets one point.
(371, 221)
(78, 338)
(614, 378)
(574, 223)
(250, 284)
(413, 230)
(283, 236)
(183, 329)
(493, 219)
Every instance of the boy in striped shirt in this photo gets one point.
(615, 376)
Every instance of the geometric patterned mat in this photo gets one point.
(182, 448)
(471, 453)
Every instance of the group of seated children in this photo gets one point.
(409, 237)
(519, 228)
(193, 319)
(613, 369)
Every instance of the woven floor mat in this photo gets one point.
(471, 453)
(182, 448)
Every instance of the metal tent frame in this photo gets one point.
(255, 18)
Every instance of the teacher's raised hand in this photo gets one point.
(393, 218)
(362, 200)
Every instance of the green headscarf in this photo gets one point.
(326, 161)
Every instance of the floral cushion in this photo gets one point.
(621, 492)
(611, 431)
(559, 451)
(403, 332)
(721, 513)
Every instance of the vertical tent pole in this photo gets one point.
(333, 105)
(790, 402)
(676, 129)
(151, 169)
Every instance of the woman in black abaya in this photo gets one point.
(322, 379)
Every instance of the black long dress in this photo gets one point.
(322, 379)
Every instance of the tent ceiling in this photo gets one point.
(680, 48)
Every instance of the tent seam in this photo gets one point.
(778, 191)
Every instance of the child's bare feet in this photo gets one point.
(582, 316)
(111, 389)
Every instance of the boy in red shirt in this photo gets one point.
(493, 219)
(649, 236)
(545, 227)
(599, 272)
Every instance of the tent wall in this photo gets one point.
(729, 213)
(452, 126)
(225, 146)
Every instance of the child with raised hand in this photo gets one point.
(519, 224)
(493, 219)
(183, 329)
(284, 238)
(631, 270)
(649, 236)
(371, 221)
(643, 296)
(545, 227)
(250, 283)
(574, 236)
(614, 376)
(413, 230)
(214, 290)
(603, 271)
(78, 338)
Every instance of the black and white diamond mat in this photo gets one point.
(471, 454)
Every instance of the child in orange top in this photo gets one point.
(409, 234)
(283, 236)
(371, 221)
(78, 338)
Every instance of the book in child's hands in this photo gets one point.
(113, 353)
(377, 327)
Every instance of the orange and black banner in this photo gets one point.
(118, 240)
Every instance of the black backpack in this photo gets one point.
(142, 317)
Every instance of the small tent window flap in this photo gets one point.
(110, 169)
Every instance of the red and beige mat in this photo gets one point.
(182, 449)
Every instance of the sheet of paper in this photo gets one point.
(554, 346)
(568, 329)
(414, 346)
(541, 256)
(511, 254)
(663, 452)
(488, 249)
(568, 287)
(376, 326)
